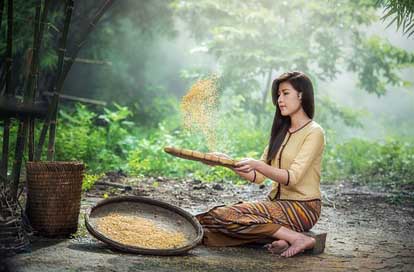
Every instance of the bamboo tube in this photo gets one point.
(61, 53)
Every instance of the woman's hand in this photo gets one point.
(247, 165)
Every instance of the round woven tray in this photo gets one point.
(200, 156)
(167, 215)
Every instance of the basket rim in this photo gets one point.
(134, 249)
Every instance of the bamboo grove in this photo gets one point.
(25, 108)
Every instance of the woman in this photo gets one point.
(292, 160)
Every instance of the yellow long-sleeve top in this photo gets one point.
(300, 155)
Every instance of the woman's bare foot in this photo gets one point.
(299, 245)
(277, 246)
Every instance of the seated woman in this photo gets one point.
(292, 160)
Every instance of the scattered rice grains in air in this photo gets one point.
(139, 232)
(199, 108)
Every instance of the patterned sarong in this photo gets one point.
(249, 222)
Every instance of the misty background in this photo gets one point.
(145, 55)
(171, 62)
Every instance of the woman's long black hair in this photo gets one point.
(281, 124)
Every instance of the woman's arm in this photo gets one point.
(250, 176)
(248, 166)
(312, 147)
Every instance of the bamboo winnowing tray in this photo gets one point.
(200, 156)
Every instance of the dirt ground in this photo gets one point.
(368, 230)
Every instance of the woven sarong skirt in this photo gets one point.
(250, 222)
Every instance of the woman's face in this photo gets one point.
(288, 99)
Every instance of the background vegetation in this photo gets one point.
(151, 52)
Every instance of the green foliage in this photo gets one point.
(23, 21)
(139, 77)
(89, 180)
(376, 62)
(402, 12)
(119, 145)
(257, 39)
(388, 163)
(239, 141)
(251, 41)
(101, 148)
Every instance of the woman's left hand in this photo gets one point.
(247, 164)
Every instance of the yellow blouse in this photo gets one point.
(301, 155)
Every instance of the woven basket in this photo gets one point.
(54, 193)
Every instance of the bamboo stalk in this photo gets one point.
(52, 110)
(61, 53)
(26, 74)
(1, 11)
(9, 50)
(31, 138)
(34, 68)
(78, 99)
(91, 26)
(32, 75)
(9, 56)
(52, 136)
(37, 44)
(91, 61)
(5, 150)
(1, 20)
(18, 155)
(61, 61)
(27, 97)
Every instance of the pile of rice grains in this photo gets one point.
(138, 231)
(199, 108)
